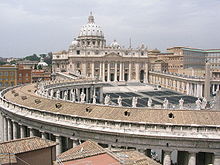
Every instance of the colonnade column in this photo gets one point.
(31, 131)
(5, 129)
(216, 159)
(43, 135)
(9, 130)
(192, 158)
(74, 142)
(101, 95)
(15, 130)
(167, 158)
(22, 131)
(1, 127)
(59, 145)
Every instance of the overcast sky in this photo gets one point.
(42, 26)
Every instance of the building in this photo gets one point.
(89, 56)
(92, 153)
(8, 76)
(23, 75)
(40, 75)
(27, 64)
(32, 150)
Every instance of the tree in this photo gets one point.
(33, 57)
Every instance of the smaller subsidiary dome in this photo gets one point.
(74, 42)
(114, 44)
(42, 63)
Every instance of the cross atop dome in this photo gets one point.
(91, 18)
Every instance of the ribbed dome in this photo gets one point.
(91, 29)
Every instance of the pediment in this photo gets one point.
(112, 55)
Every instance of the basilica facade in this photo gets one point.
(90, 56)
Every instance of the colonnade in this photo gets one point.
(182, 85)
(69, 94)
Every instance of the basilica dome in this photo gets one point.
(91, 29)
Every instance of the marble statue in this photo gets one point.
(198, 104)
(149, 102)
(181, 102)
(82, 97)
(165, 103)
(119, 101)
(134, 102)
(204, 103)
(94, 99)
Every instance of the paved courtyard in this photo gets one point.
(143, 92)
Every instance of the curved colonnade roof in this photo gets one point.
(146, 115)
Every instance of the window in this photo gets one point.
(78, 52)
(6, 73)
(26, 74)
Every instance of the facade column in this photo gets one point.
(100, 71)
(103, 71)
(146, 73)
(123, 72)
(137, 75)
(192, 159)
(5, 129)
(93, 69)
(216, 159)
(108, 72)
(115, 79)
(120, 72)
(129, 71)
(167, 158)
(59, 145)
(15, 130)
(22, 131)
(9, 130)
